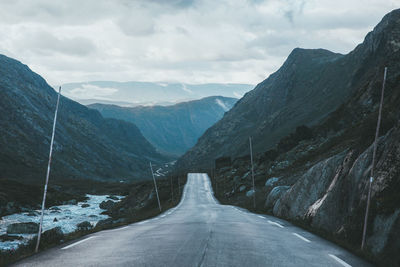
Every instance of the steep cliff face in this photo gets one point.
(320, 180)
(172, 129)
(86, 144)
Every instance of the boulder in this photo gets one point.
(107, 205)
(23, 228)
(55, 219)
(54, 235)
(4, 238)
(270, 183)
(113, 197)
(33, 213)
(72, 202)
(85, 205)
(250, 193)
(274, 195)
(84, 226)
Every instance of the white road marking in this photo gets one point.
(77, 243)
(302, 237)
(275, 223)
(342, 262)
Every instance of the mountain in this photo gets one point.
(131, 94)
(318, 176)
(310, 85)
(172, 129)
(86, 144)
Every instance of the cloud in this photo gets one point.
(45, 43)
(221, 104)
(89, 91)
(194, 41)
(184, 87)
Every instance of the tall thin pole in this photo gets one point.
(172, 190)
(371, 179)
(179, 186)
(252, 173)
(155, 186)
(48, 172)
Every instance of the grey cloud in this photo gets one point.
(45, 43)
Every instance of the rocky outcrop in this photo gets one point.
(53, 236)
(331, 196)
(107, 204)
(23, 228)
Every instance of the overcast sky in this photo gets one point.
(191, 41)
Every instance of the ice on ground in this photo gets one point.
(68, 216)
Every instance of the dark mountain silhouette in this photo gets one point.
(86, 144)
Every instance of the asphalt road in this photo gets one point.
(199, 232)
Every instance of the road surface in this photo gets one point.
(199, 232)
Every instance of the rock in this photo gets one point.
(246, 175)
(250, 193)
(107, 205)
(92, 216)
(113, 197)
(242, 188)
(4, 238)
(84, 226)
(54, 235)
(72, 202)
(55, 208)
(271, 182)
(33, 213)
(274, 195)
(55, 219)
(85, 205)
(23, 228)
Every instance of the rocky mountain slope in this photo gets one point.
(311, 84)
(86, 145)
(172, 129)
(318, 177)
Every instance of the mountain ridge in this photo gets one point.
(172, 129)
(86, 145)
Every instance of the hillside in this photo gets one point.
(172, 129)
(86, 145)
(318, 176)
(311, 84)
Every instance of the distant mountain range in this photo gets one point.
(172, 129)
(86, 145)
(132, 94)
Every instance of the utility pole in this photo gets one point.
(371, 179)
(48, 173)
(179, 186)
(252, 173)
(172, 190)
(155, 186)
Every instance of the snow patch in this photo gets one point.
(221, 104)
